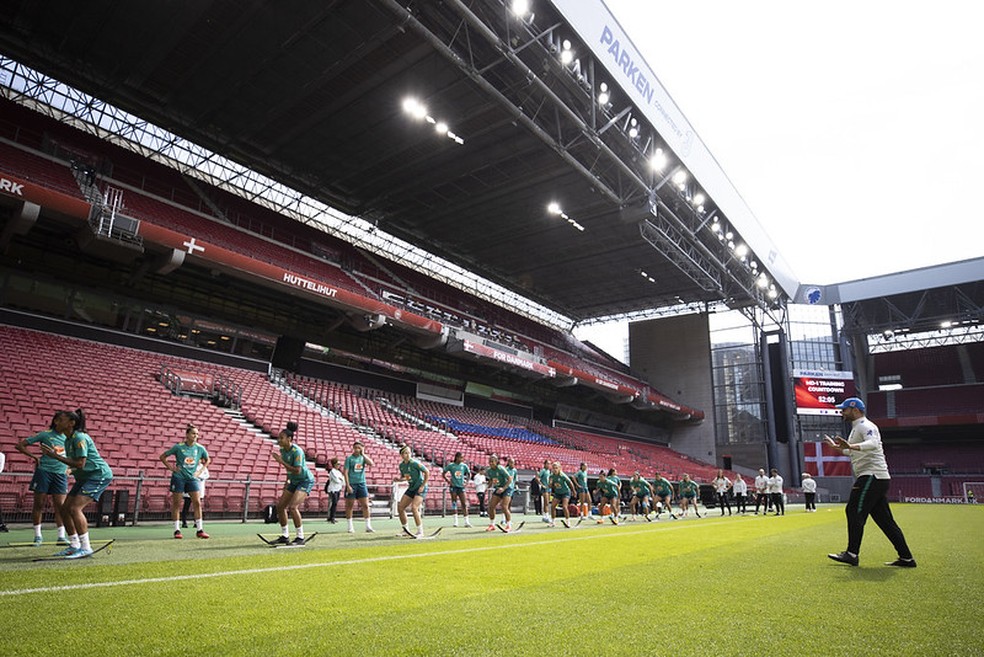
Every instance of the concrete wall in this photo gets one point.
(674, 355)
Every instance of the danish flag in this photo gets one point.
(822, 460)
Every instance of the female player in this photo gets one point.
(688, 495)
(456, 475)
(740, 489)
(608, 494)
(189, 460)
(92, 476)
(355, 484)
(414, 472)
(561, 487)
(642, 491)
(50, 479)
(501, 483)
(583, 493)
(663, 494)
(300, 481)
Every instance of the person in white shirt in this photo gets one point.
(721, 485)
(810, 492)
(334, 487)
(740, 489)
(762, 492)
(775, 492)
(480, 486)
(869, 495)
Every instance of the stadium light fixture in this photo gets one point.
(566, 54)
(603, 96)
(633, 128)
(658, 160)
(741, 250)
(414, 108)
(773, 293)
(441, 127)
(553, 207)
(520, 7)
(716, 226)
(698, 199)
(680, 178)
(762, 281)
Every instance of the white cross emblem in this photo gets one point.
(192, 247)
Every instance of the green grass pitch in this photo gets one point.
(715, 586)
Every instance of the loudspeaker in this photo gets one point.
(287, 353)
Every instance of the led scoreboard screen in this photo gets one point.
(818, 391)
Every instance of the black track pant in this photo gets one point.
(777, 504)
(722, 499)
(869, 497)
(764, 500)
(811, 501)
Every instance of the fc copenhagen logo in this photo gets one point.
(813, 295)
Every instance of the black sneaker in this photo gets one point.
(280, 540)
(297, 541)
(902, 563)
(844, 557)
(3, 528)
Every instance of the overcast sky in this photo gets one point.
(853, 130)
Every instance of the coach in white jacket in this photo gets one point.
(869, 495)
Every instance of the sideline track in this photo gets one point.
(326, 564)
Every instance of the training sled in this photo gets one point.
(95, 550)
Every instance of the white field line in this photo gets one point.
(326, 564)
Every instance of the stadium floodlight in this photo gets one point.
(946, 324)
(633, 128)
(753, 264)
(441, 127)
(698, 199)
(603, 96)
(773, 293)
(729, 235)
(520, 7)
(658, 160)
(554, 208)
(680, 178)
(741, 250)
(414, 108)
(566, 54)
(762, 281)
(716, 226)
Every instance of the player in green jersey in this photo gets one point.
(300, 481)
(356, 489)
(456, 475)
(642, 490)
(607, 494)
(413, 472)
(92, 477)
(190, 459)
(561, 487)
(501, 484)
(543, 477)
(583, 493)
(689, 494)
(617, 502)
(663, 494)
(50, 480)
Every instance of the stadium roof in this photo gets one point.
(316, 98)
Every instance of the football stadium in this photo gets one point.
(290, 298)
